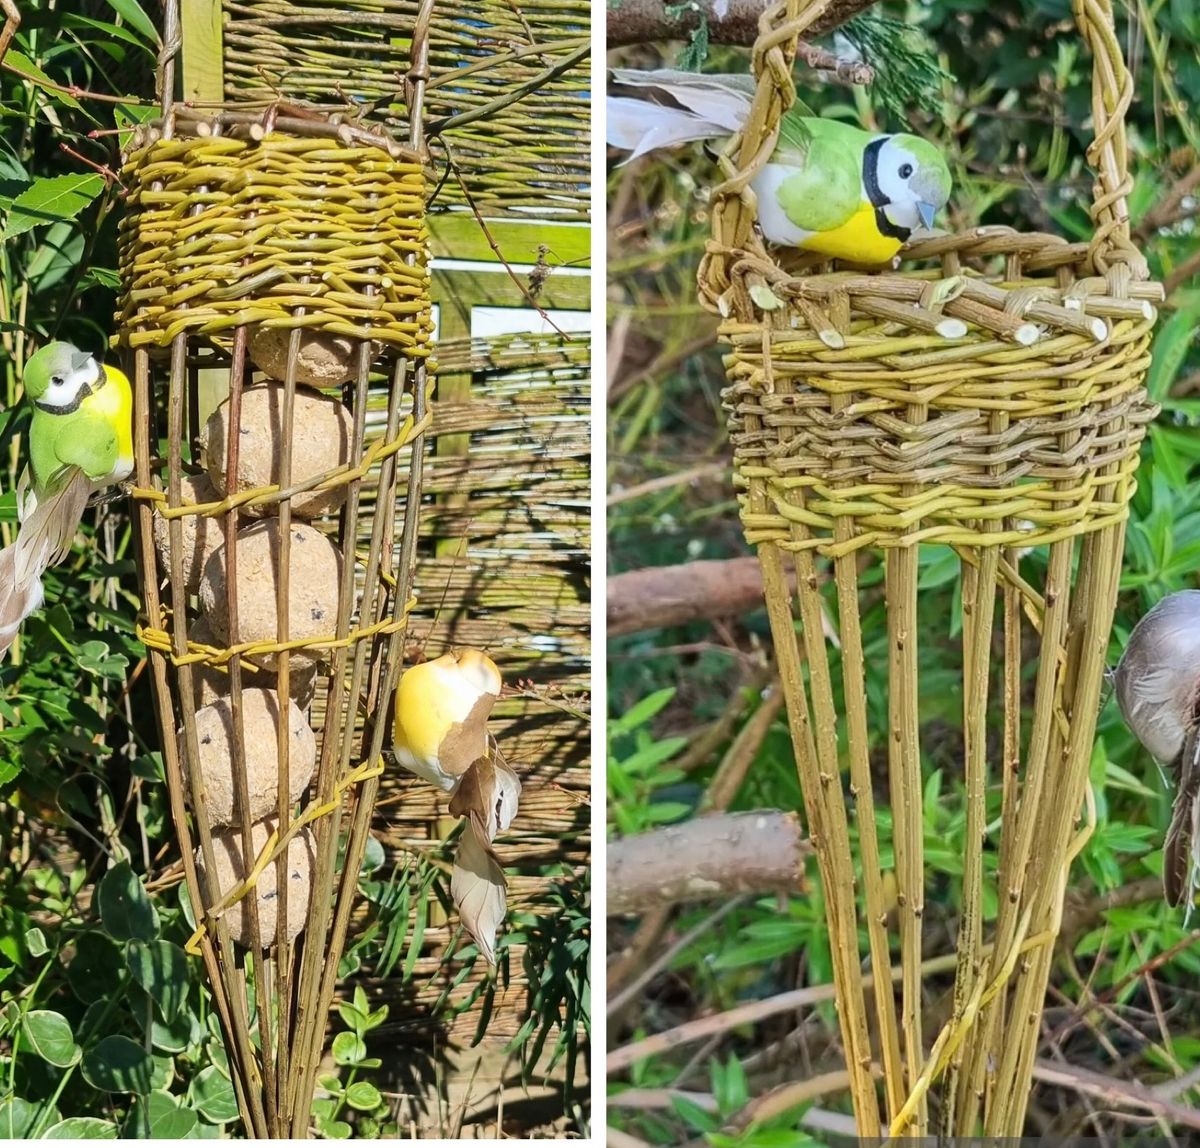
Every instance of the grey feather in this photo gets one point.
(711, 107)
(48, 527)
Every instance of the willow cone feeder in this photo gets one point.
(273, 263)
(861, 432)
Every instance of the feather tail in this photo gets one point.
(1180, 860)
(47, 530)
(712, 106)
(477, 886)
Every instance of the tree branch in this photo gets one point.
(729, 21)
(672, 595)
(709, 857)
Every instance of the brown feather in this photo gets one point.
(48, 527)
(1179, 847)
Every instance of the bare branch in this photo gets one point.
(734, 22)
(672, 595)
(709, 857)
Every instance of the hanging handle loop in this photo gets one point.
(1108, 153)
(1111, 250)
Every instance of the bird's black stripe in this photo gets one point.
(86, 391)
(875, 194)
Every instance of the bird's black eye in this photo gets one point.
(906, 169)
(56, 380)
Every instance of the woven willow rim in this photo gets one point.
(984, 391)
(287, 231)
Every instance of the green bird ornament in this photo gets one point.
(829, 187)
(80, 441)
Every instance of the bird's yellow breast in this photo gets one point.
(114, 403)
(858, 239)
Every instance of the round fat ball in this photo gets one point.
(324, 360)
(232, 869)
(320, 435)
(314, 582)
(216, 738)
(201, 535)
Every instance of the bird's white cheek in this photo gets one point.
(904, 214)
(55, 397)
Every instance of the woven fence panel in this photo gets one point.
(530, 155)
(516, 583)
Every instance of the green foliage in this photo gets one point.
(638, 770)
(556, 965)
(907, 72)
(107, 1023)
(349, 1096)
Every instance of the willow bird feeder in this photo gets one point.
(865, 427)
(273, 265)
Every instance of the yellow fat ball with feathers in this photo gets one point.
(442, 707)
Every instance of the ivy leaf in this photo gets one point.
(160, 1116)
(348, 1048)
(50, 1037)
(161, 968)
(95, 966)
(94, 656)
(116, 1064)
(81, 1128)
(125, 910)
(212, 1093)
(363, 1095)
(35, 942)
(17, 1117)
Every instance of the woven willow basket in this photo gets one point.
(277, 247)
(985, 395)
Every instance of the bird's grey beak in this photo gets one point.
(926, 211)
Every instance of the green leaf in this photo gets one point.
(331, 1083)
(49, 200)
(131, 12)
(162, 1072)
(352, 1017)
(94, 657)
(374, 855)
(161, 968)
(204, 1131)
(35, 942)
(1170, 349)
(363, 1095)
(644, 710)
(116, 1064)
(125, 910)
(81, 1128)
(159, 1115)
(23, 66)
(729, 1085)
(102, 276)
(49, 1036)
(94, 969)
(695, 1117)
(177, 1035)
(348, 1048)
(17, 1117)
(212, 1093)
